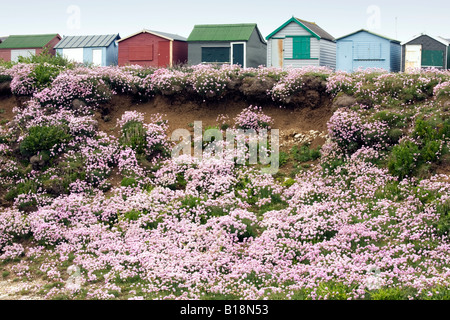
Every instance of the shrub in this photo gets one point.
(46, 58)
(44, 74)
(145, 139)
(393, 119)
(404, 159)
(134, 136)
(305, 154)
(47, 139)
(425, 131)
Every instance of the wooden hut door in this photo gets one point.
(277, 53)
(413, 57)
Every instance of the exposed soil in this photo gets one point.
(289, 121)
(7, 103)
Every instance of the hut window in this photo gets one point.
(367, 51)
(301, 47)
(216, 54)
(141, 53)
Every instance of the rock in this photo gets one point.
(37, 162)
(78, 104)
(344, 101)
(257, 88)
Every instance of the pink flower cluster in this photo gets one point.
(253, 118)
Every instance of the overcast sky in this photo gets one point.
(396, 19)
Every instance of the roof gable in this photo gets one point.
(164, 35)
(311, 27)
(87, 41)
(222, 32)
(369, 32)
(439, 39)
(27, 41)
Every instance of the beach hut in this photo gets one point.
(364, 49)
(150, 48)
(240, 44)
(16, 46)
(299, 43)
(99, 50)
(425, 51)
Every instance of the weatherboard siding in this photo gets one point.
(327, 54)
(148, 50)
(180, 52)
(112, 54)
(396, 57)
(292, 29)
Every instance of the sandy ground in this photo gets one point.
(13, 290)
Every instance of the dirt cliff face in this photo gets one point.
(181, 115)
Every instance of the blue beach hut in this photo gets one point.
(100, 50)
(364, 49)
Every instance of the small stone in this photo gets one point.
(37, 162)
(78, 104)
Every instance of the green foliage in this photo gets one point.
(26, 187)
(47, 58)
(425, 131)
(409, 158)
(288, 182)
(134, 136)
(305, 154)
(5, 78)
(404, 159)
(394, 135)
(391, 294)
(284, 158)
(430, 152)
(129, 182)
(443, 224)
(394, 120)
(133, 215)
(44, 138)
(44, 74)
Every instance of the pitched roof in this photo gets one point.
(222, 32)
(87, 41)
(165, 35)
(2, 39)
(317, 30)
(364, 30)
(312, 27)
(439, 39)
(27, 41)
